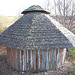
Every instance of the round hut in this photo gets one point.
(36, 42)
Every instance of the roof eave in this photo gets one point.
(42, 11)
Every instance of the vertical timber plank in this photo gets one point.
(18, 52)
(10, 57)
(20, 59)
(55, 59)
(38, 59)
(29, 64)
(58, 59)
(47, 60)
(43, 60)
(7, 56)
(25, 60)
(50, 58)
(61, 55)
(34, 60)
(31, 59)
(16, 59)
(64, 55)
(52, 65)
(13, 58)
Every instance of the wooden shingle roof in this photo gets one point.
(37, 31)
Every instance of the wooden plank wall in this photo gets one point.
(31, 60)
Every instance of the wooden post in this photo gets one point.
(50, 58)
(38, 59)
(16, 59)
(52, 65)
(25, 60)
(11, 57)
(47, 65)
(58, 58)
(7, 56)
(29, 64)
(64, 55)
(20, 59)
(31, 59)
(34, 60)
(43, 60)
(61, 55)
(55, 58)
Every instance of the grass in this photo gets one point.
(73, 62)
(6, 21)
(72, 56)
(72, 53)
(6, 28)
(73, 73)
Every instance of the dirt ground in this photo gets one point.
(2, 50)
(5, 70)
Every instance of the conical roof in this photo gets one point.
(35, 8)
(37, 31)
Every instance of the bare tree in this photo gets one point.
(64, 9)
(47, 4)
(55, 5)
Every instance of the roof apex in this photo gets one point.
(35, 8)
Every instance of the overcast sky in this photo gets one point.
(15, 7)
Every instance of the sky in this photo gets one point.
(15, 7)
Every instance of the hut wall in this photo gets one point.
(31, 60)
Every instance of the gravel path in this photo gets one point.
(5, 70)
